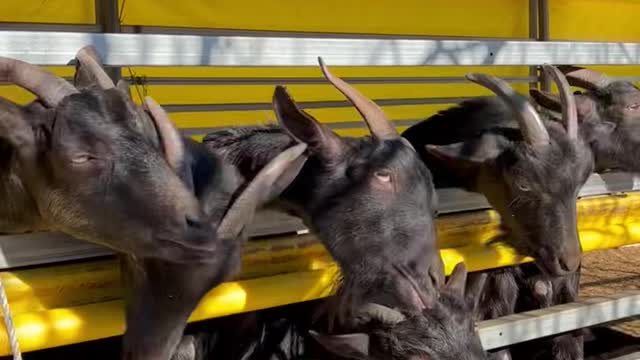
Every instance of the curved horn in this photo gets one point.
(89, 58)
(533, 130)
(379, 312)
(172, 143)
(584, 78)
(48, 87)
(378, 123)
(546, 99)
(269, 183)
(569, 109)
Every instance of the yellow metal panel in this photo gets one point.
(239, 94)
(16, 94)
(49, 11)
(314, 71)
(358, 132)
(617, 70)
(187, 120)
(57, 327)
(65, 304)
(594, 20)
(21, 96)
(492, 18)
(347, 132)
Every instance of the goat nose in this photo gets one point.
(194, 223)
(569, 262)
(436, 273)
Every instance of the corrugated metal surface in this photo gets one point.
(489, 18)
(48, 11)
(594, 20)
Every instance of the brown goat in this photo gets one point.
(79, 161)
(370, 200)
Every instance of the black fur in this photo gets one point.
(534, 192)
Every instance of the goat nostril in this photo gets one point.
(193, 223)
(569, 264)
(435, 278)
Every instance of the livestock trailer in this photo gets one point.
(214, 65)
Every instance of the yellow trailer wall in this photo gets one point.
(569, 19)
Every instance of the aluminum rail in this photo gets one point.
(44, 327)
(57, 48)
(42, 248)
(634, 356)
(558, 319)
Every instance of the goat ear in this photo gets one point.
(585, 106)
(16, 130)
(546, 99)
(350, 346)
(462, 158)
(267, 185)
(457, 281)
(303, 127)
(474, 289)
(124, 88)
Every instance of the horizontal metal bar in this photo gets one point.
(336, 125)
(558, 319)
(81, 303)
(41, 248)
(634, 356)
(11, 26)
(168, 30)
(56, 48)
(305, 81)
(307, 105)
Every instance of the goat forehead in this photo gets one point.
(565, 163)
(559, 178)
(620, 88)
(393, 155)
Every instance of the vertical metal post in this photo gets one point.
(543, 35)
(107, 17)
(533, 35)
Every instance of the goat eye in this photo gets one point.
(523, 187)
(81, 159)
(383, 176)
(633, 107)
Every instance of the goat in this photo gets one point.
(76, 161)
(370, 200)
(609, 115)
(529, 170)
(446, 330)
(443, 331)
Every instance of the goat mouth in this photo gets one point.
(551, 265)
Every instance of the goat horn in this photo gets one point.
(379, 312)
(270, 181)
(569, 109)
(533, 130)
(171, 140)
(89, 58)
(378, 123)
(48, 87)
(584, 78)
